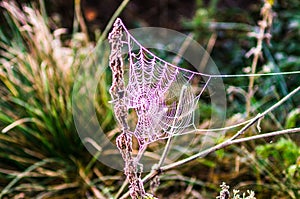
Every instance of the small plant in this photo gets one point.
(225, 193)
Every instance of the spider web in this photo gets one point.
(163, 96)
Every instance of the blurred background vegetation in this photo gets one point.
(42, 45)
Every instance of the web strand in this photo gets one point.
(204, 74)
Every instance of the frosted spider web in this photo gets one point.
(161, 95)
(164, 96)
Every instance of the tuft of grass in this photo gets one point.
(41, 154)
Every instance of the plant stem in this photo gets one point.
(80, 19)
(43, 11)
(209, 48)
(111, 21)
(266, 12)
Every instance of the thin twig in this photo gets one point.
(265, 135)
(175, 61)
(209, 48)
(43, 11)
(183, 48)
(111, 21)
(124, 185)
(80, 19)
(217, 147)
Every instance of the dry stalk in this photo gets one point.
(124, 140)
(264, 25)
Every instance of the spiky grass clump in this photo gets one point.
(41, 154)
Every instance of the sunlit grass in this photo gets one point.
(41, 154)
